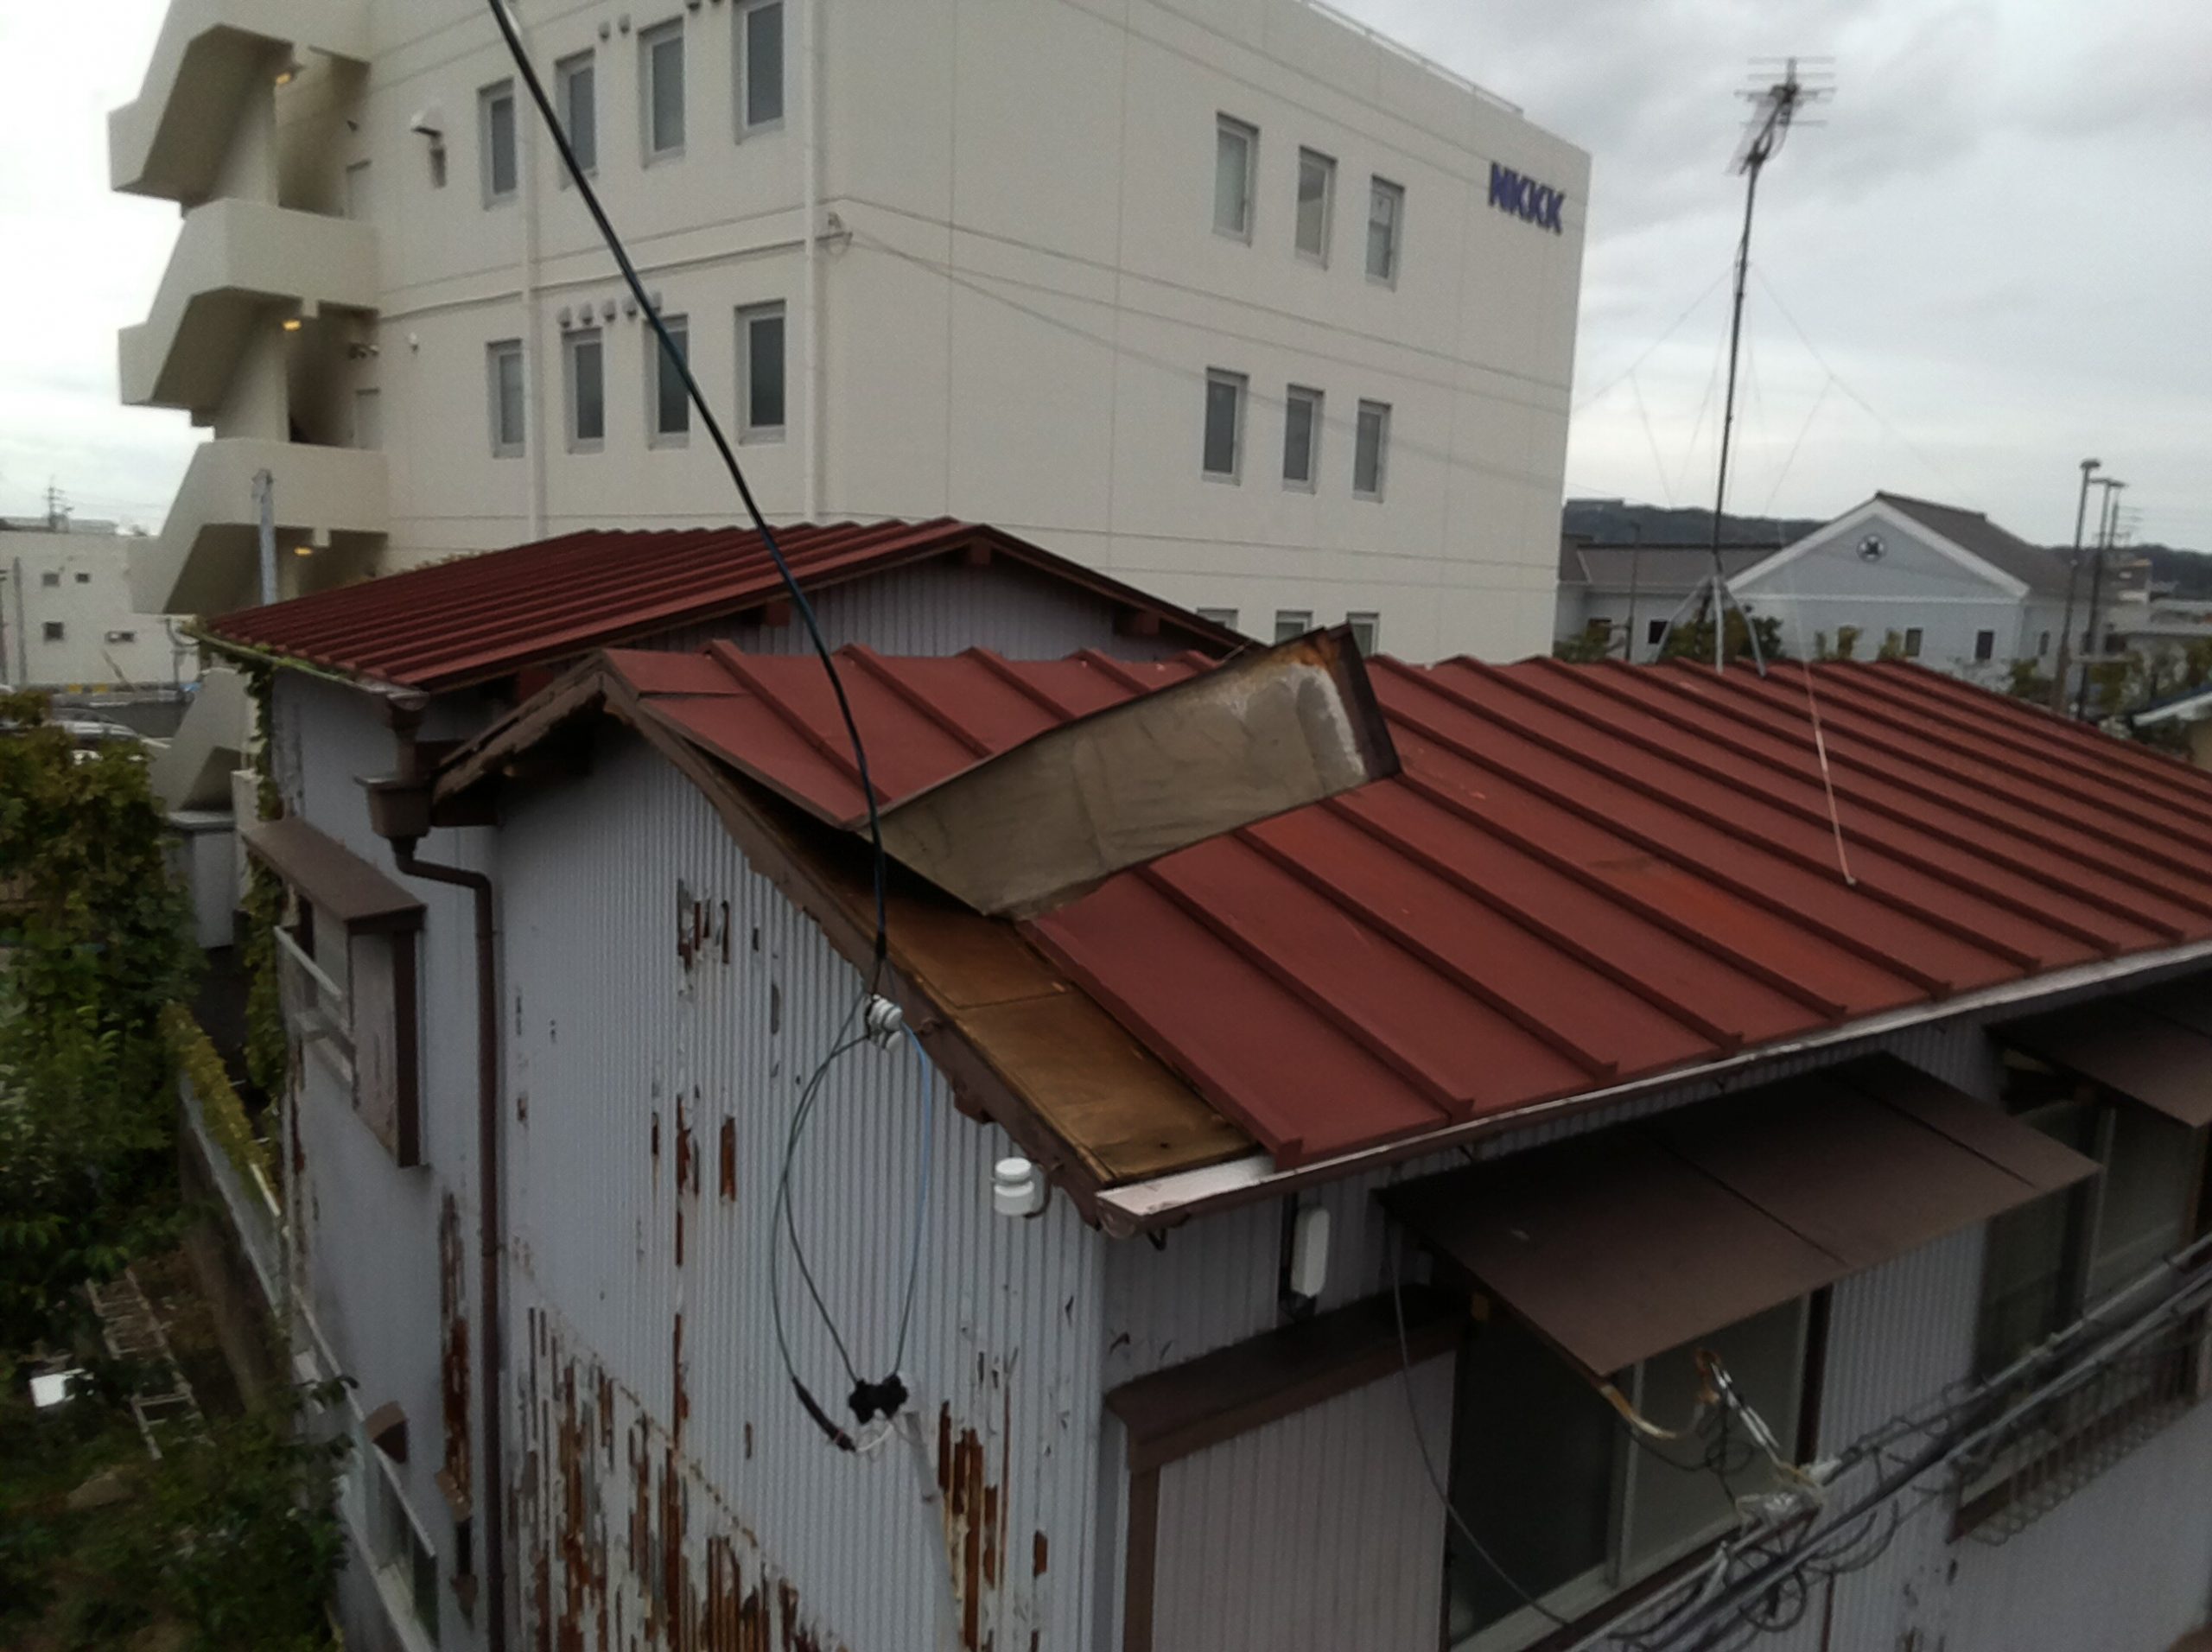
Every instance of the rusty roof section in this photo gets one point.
(477, 618)
(1584, 875)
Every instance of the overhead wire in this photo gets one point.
(889, 1393)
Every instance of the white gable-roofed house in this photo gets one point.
(1960, 593)
(1572, 1030)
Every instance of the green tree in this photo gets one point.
(98, 944)
(1692, 638)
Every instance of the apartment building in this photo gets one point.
(66, 621)
(1230, 298)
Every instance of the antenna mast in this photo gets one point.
(1775, 109)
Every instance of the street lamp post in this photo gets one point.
(2073, 578)
(2106, 517)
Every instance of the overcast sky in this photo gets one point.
(1998, 250)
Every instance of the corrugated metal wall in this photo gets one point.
(1314, 1534)
(663, 1003)
(368, 1235)
(942, 608)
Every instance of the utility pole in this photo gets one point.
(264, 500)
(1775, 109)
(2107, 514)
(2073, 578)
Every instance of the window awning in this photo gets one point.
(1620, 1245)
(340, 884)
(2155, 1046)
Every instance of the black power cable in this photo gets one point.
(671, 356)
(869, 1398)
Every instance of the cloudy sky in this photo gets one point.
(1993, 260)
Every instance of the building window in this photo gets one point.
(123, 635)
(760, 66)
(495, 129)
(1386, 212)
(760, 372)
(1225, 618)
(84, 579)
(584, 357)
(670, 408)
(51, 577)
(505, 363)
(1366, 631)
(1235, 153)
(1568, 1505)
(1370, 450)
(1291, 624)
(1655, 632)
(576, 92)
(1317, 191)
(1912, 642)
(52, 631)
(660, 63)
(2043, 645)
(403, 1555)
(1225, 437)
(1985, 644)
(1301, 437)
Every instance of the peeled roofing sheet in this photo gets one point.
(1584, 875)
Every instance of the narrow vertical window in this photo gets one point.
(760, 372)
(761, 65)
(1386, 212)
(1224, 436)
(1291, 624)
(1317, 189)
(1236, 148)
(495, 108)
(1366, 631)
(504, 363)
(1301, 436)
(671, 406)
(586, 361)
(1985, 644)
(1370, 450)
(576, 87)
(1912, 642)
(661, 65)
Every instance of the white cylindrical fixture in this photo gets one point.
(1309, 1252)
(1017, 1187)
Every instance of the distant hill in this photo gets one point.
(1617, 522)
(2176, 571)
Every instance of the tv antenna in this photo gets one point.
(1776, 108)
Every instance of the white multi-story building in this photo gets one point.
(1232, 298)
(66, 616)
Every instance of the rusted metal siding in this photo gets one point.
(1312, 1534)
(663, 1004)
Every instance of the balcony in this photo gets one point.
(211, 55)
(206, 559)
(235, 261)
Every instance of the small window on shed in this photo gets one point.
(346, 971)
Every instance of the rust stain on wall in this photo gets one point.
(972, 1526)
(730, 1159)
(1037, 1556)
(452, 1349)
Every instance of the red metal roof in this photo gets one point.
(481, 617)
(1584, 874)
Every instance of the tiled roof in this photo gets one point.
(477, 618)
(2042, 570)
(1584, 874)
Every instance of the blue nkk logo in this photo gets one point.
(1525, 197)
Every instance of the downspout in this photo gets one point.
(809, 208)
(399, 810)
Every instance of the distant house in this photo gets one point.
(1963, 595)
(1626, 595)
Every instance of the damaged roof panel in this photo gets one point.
(1582, 877)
